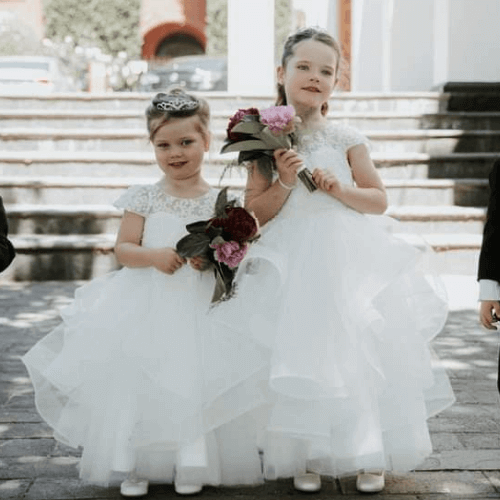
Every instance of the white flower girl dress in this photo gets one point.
(337, 318)
(122, 375)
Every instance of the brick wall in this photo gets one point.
(163, 18)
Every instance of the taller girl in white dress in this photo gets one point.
(336, 305)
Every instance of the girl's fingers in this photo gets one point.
(286, 154)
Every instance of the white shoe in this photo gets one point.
(308, 483)
(370, 482)
(187, 489)
(134, 487)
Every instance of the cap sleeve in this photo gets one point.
(351, 136)
(136, 199)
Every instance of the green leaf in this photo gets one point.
(223, 282)
(221, 203)
(197, 227)
(274, 141)
(248, 127)
(192, 245)
(248, 145)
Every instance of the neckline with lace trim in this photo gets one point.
(159, 187)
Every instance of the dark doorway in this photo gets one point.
(178, 45)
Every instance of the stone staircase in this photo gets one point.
(65, 158)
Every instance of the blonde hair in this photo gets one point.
(288, 51)
(157, 116)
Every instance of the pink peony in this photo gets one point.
(278, 118)
(230, 253)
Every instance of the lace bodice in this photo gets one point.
(151, 199)
(327, 149)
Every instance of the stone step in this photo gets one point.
(407, 121)
(404, 102)
(430, 141)
(439, 219)
(137, 164)
(83, 190)
(91, 190)
(74, 257)
(124, 118)
(96, 219)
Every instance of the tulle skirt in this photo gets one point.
(123, 378)
(342, 314)
(321, 361)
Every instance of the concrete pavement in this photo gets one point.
(465, 463)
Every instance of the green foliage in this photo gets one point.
(110, 25)
(18, 39)
(216, 30)
(282, 26)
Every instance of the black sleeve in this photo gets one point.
(489, 257)
(4, 226)
(7, 252)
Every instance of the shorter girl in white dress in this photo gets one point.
(121, 377)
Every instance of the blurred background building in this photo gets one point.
(388, 45)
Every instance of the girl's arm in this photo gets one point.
(265, 198)
(369, 195)
(130, 253)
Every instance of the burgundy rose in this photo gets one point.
(236, 118)
(239, 225)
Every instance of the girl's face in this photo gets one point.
(179, 147)
(309, 76)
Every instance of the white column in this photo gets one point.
(250, 34)
(357, 9)
(332, 23)
(441, 41)
(388, 16)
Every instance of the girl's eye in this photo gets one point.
(186, 142)
(302, 66)
(327, 72)
(162, 145)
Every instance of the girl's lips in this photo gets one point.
(312, 89)
(177, 163)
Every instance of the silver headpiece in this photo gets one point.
(179, 102)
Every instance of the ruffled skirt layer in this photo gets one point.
(321, 361)
(343, 317)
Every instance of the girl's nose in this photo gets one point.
(314, 78)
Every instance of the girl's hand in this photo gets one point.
(200, 263)
(327, 182)
(486, 311)
(288, 163)
(167, 260)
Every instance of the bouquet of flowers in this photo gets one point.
(223, 240)
(257, 134)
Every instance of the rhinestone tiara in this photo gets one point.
(169, 102)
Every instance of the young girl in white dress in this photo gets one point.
(336, 310)
(122, 376)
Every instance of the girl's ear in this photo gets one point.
(280, 74)
(208, 138)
